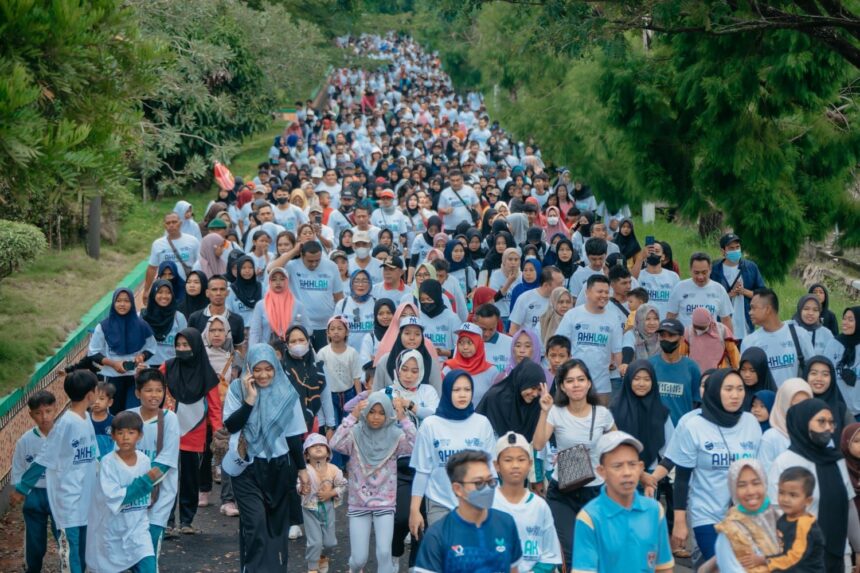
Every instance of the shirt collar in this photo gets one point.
(612, 508)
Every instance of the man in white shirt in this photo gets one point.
(658, 281)
(532, 304)
(787, 347)
(317, 287)
(362, 260)
(329, 183)
(700, 290)
(595, 254)
(175, 246)
(388, 216)
(286, 214)
(456, 202)
(497, 345)
(361, 216)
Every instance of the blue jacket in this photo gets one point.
(752, 280)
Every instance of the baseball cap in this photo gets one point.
(410, 321)
(361, 237)
(671, 325)
(386, 194)
(514, 440)
(611, 440)
(347, 194)
(392, 262)
(728, 239)
(337, 255)
(216, 223)
(470, 327)
(317, 172)
(315, 209)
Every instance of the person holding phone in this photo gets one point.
(323, 233)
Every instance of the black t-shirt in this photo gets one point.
(199, 319)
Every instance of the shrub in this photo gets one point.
(19, 242)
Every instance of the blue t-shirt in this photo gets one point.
(103, 438)
(457, 546)
(679, 384)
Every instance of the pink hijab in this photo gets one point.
(210, 263)
(387, 342)
(559, 228)
(706, 349)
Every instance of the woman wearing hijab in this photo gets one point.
(344, 242)
(821, 376)
(512, 404)
(210, 260)
(358, 307)
(192, 392)
(583, 230)
(212, 212)
(264, 416)
(246, 291)
(628, 245)
(459, 266)
(422, 244)
(749, 527)
(554, 223)
(168, 271)
(810, 429)
(454, 427)
(808, 317)
(499, 243)
(775, 440)
(706, 444)
(560, 301)
(409, 336)
(504, 280)
(844, 351)
(828, 317)
(275, 312)
(849, 444)
(638, 411)
(189, 226)
(119, 343)
(565, 260)
(307, 376)
(474, 249)
(762, 405)
(440, 322)
(383, 314)
(710, 343)
(195, 298)
(162, 317)
(470, 356)
(530, 279)
(482, 296)
(755, 373)
(524, 344)
(642, 341)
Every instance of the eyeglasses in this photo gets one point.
(360, 281)
(482, 483)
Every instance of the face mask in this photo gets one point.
(282, 200)
(481, 498)
(734, 256)
(702, 330)
(298, 350)
(653, 260)
(428, 307)
(553, 221)
(389, 210)
(362, 252)
(669, 346)
(346, 208)
(821, 439)
(184, 355)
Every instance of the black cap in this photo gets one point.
(347, 194)
(728, 239)
(671, 325)
(393, 262)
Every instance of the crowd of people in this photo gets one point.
(408, 312)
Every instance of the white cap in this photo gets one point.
(512, 440)
(317, 172)
(611, 440)
(410, 321)
(470, 327)
(361, 237)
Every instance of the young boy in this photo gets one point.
(801, 538)
(119, 528)
(557, 352)
(318, 505)
(102, 418)
(69, 462)
(43, 409)
(160, 443)
(620, 529)
(541, 549)
(635, 298)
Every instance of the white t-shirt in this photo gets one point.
(438, 439)
(373, 268)
(529, 308)
(659, 288)
(687, 297)
(782, 358)
(397, 223)
(187, 246)
(70, 457)
(169, 456)
(570, 431)
(497, 281)
(710, 450)
(834, 352)
(341, 369)
(26, 449)
(594, 338)
(448, 198)
(440, 329)
(739, 324)
(579, 278)
(118, 534)
(291, 218)
(360, 316)
(498, 351)
(773, 443)
(314, 290)
(536, 528)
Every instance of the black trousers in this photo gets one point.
(564, 508)
(205, 479)
(405, 475)
(263, 495)
(189, 487)
(124, 397)
(319, 339)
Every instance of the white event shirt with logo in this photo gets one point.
(314, 290)
(687, 296)
(659, 288)
(594, 338)
(529, 308)
(782, 358)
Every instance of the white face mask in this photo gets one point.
(362, 252)
(553, 221)
(299, 350)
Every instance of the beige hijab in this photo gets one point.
(550, 319)
(784, 396)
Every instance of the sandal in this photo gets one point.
(681, 553)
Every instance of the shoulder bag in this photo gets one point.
(573, 465)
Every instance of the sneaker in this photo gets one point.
(229, 509)
(216, 474)
(171, 533)
(295, 531)
(187, 530)
(395, 564)
(322, 566)
(203, 499)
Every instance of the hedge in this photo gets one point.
(19, 242)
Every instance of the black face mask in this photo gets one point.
(282, 200)
(821, 439)
(184, 355)
(653, 260)
(429, 308)
(669, 346)
(346, 208)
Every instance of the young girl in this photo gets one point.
(372, 439)
(460, 269)
(163, 318)
(246, 290)
(471, 357)
(358, 307)
(503, 280)
(383, 312)
(318, 505)
(260, 252)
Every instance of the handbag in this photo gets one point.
(573, 465)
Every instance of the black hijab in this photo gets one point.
(433, 289)
(249, 291)
(833, 496)
(340, 247)
(233, 264)
(849, 343)
(379, 330)
(391, 362)
(190, 380)
(832, 396)
(828, 317)
(191, 304)
(432, 221)
(493, 260)
(712, 404)
(504, 406)
(486, 227)
(758, 360)
(160, 318)
(642, 417)
(306, 375)
(567, 268)
(629, 245)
